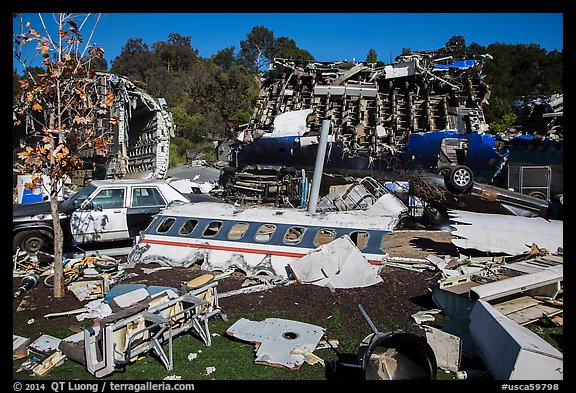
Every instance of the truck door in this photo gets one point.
(101, 217)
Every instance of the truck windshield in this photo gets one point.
(70, 204)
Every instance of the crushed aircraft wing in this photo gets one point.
(511, 235)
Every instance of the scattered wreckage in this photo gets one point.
(489, 301)
(145, 319)
(339, 242)
(535, 143)
(420, 112)
(140, 147)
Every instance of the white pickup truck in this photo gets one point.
(103, 211)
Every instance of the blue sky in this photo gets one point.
(327, 36)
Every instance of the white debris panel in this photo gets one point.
(282, 342)
(511, 351)
(338, 264)
(290, 123)
(499, 233)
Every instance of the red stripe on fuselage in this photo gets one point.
(233, 249)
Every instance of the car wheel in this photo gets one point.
(460, 178)
(537, 194)
(32, 241)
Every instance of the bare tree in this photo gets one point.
(62, 109)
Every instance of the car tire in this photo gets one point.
(460, 179)
(32, 241)
(105, 264)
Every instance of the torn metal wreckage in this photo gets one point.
(419, 113)
(140, 147)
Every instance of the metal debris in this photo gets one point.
(278, 340)
(498, 233)
(511, 351)
(338, 264)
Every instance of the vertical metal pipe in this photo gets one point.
(318, 167)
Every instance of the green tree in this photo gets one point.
(224, 58)
(189, 126)
(60, 108)
(257, 49)
(456, 47)
(135, 62)
(520, 70)
(177, 53)
(372, 56)
(286, 48)
(502, 124)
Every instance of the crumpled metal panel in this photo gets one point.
(278, 338)
(338, 264)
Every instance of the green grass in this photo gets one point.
(232, 358)
(235, 359)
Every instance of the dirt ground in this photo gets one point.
(401, 294)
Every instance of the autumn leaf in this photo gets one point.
(33, 32)
(43, 46)
(109, 98)
(67, 57)
(37, 107)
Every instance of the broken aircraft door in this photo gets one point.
(101, 218)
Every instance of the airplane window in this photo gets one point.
(360, 238)
(237, 231)
(294, 235)
(166, 225)
(265, 233)
(188, 227)
(324, 236)
(212, 229)
(384, 242)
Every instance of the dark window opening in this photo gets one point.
(166, 225)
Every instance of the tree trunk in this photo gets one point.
(58, 241)
(58, 236)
